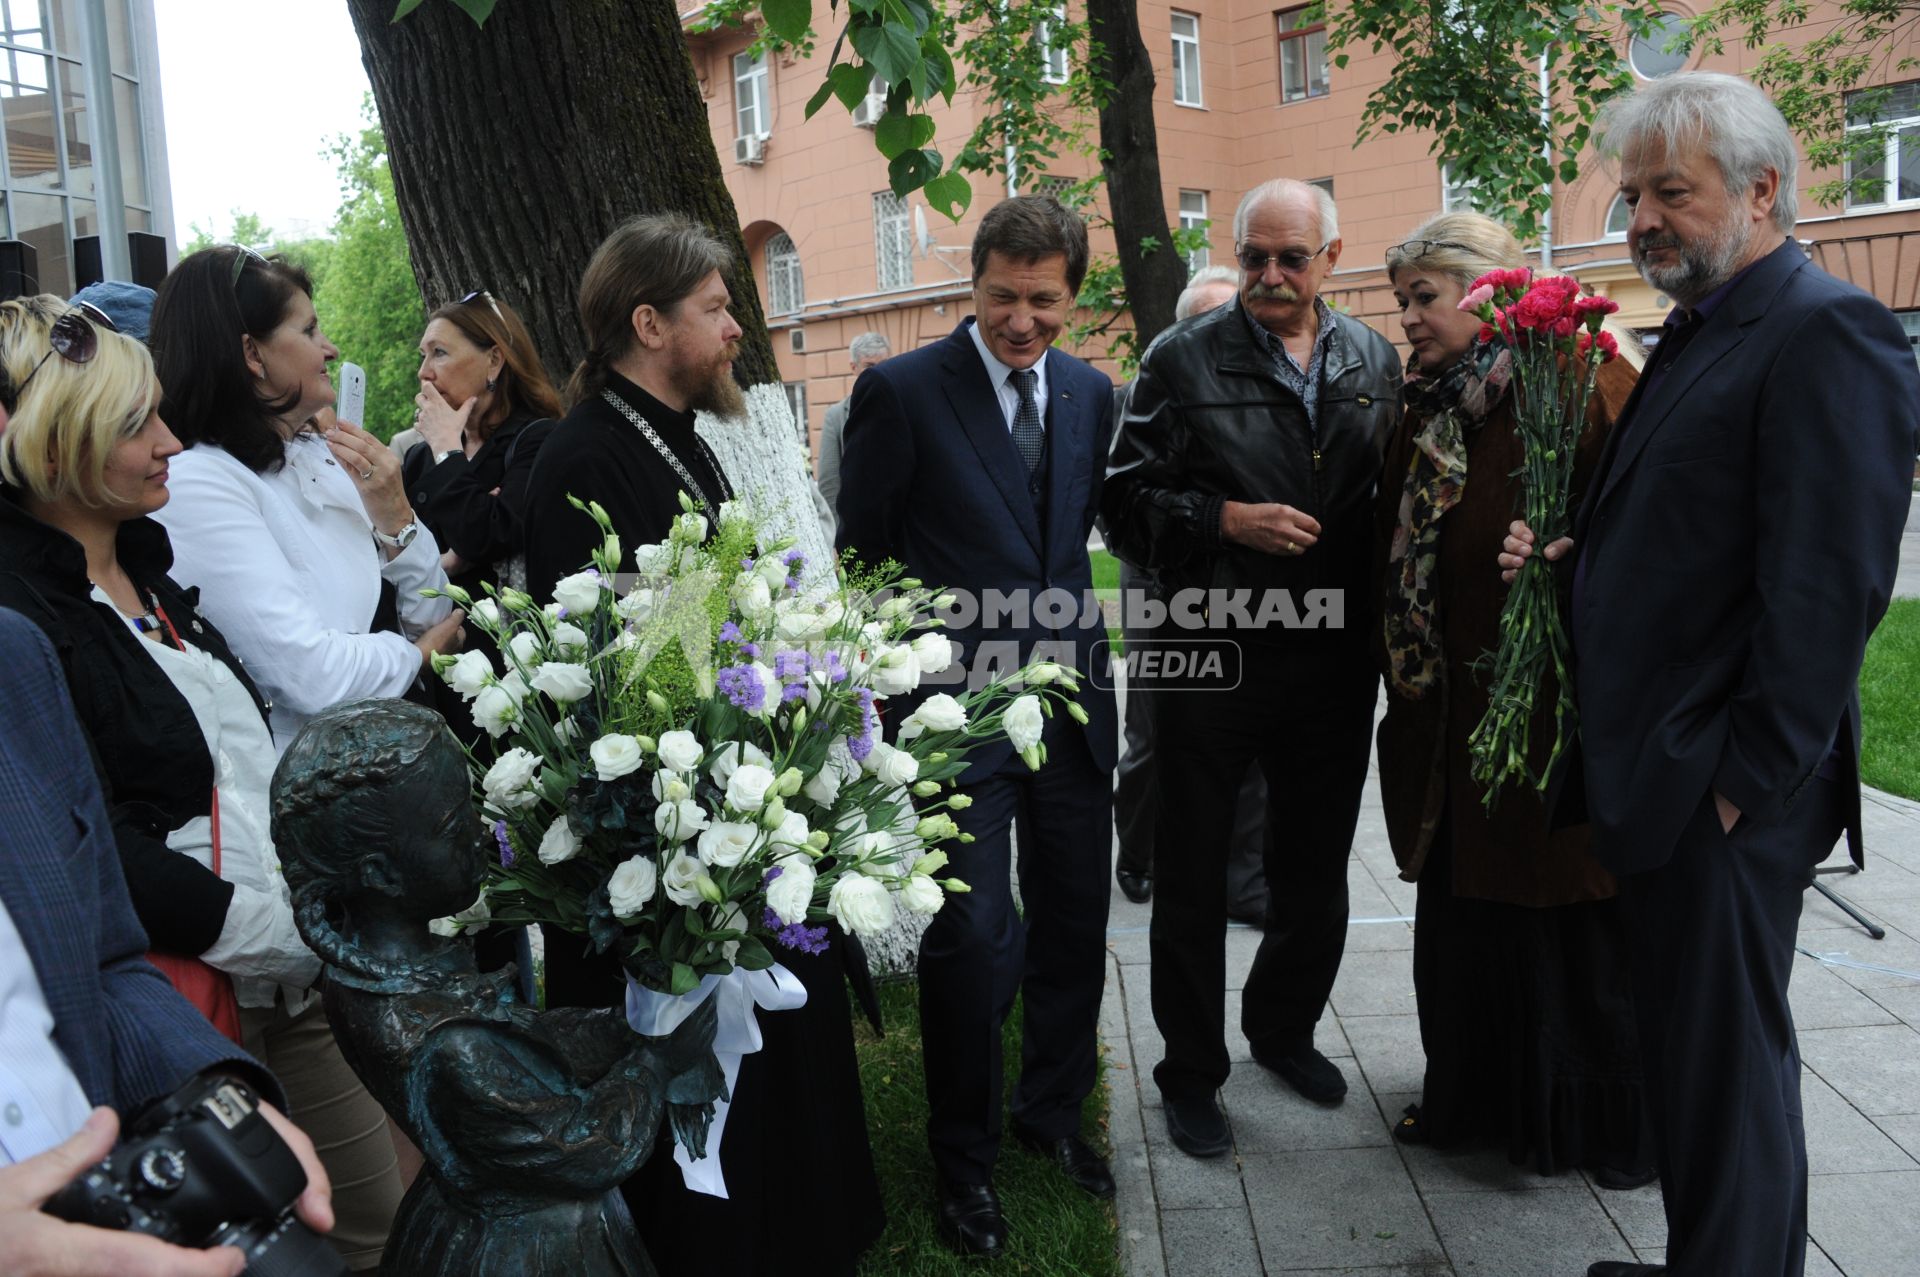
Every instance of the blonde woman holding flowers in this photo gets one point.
(1520, 962)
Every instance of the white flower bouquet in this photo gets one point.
(691, 772)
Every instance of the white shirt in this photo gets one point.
(1003, 389)
(41, 1103)
(258, 946)
(289, 572)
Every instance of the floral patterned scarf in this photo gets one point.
(1445, 409)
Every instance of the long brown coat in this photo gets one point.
(1506, 855)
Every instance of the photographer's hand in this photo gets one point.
(34, 1244)
(315, 1205)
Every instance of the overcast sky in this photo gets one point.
(253, 91)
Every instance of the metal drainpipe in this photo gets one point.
(1546, 123)
(109, 196)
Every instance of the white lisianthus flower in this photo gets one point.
(770, 691)
(824, 787)
(610, 548)
(495, 711)
(469, 673)
(733, 755)
(1040, 673)
(637, 606)
(894, 608)
(559, 844)
(729, 917)
(861, 905)
(792, 832)
(669, 788)
(563, 681)
(615, 755)
(508, 784)
(941, 713)
(514, 686)
(579, 593)
(922, 895)
(681, 881)
(892, 766)
(794, 624)
(680, 751)
(725, 843)
(732, 512)
(934, 652)
(472, 918)
(894, 671)
(569, 640)
(567, 730)
(680, 820)
(747, 789)
(691, 526)
(1023, 723)
(791, 894)
(652, 560)
(632, 885)
(751, 595)
(485, 611)
(524, 647)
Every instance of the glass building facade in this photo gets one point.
(48, 168)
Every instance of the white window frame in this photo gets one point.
(1186, 59)
(892, 242)
(786, 285)
(1606, 223)
(1054, 68)
(1897, 126)
(1194, 216)
(796, 392)
(1457, 197)
(1308, 35)
(753, 80)
(1634, 43)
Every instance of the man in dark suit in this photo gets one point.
(977, 463)
(1734, 554)
(84, 1020)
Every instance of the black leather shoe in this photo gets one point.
(1135, 887)
(1621, 1268)
(1620, 1181)
(1196, 1125)
(1076, 1159)
(1306, 1071)
(970, 1219)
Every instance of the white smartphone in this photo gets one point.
(352, 407)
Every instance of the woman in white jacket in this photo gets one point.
(288, 534)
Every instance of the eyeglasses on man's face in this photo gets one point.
(1293, 261)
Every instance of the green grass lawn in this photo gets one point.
(1890, 703)
(1055, 1230)
(1106, 570)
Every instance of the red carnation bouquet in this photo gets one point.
(1554, 333)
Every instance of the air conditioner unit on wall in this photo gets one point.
(871, 108)
(750, 148)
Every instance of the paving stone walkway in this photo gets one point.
(1313, 1192)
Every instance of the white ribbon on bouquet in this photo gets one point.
(737, 1035)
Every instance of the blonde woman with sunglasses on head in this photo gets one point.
(177, 728)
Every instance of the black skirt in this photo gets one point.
(1527, 1019)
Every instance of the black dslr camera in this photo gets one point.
(204, 1168)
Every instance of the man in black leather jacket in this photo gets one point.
(1242, 477)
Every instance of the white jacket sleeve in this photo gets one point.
(414, 569)
(268, 609)
(259, 940)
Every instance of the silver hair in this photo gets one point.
(868, 344)
(1281, 189)
(1743, 131)
(1209, 277)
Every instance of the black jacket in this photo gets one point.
(1208, 421)
(457, 498)
(147, 745)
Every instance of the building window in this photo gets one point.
(786, 293)
(1619, 217)
(1186, 60)
(1303, 55)
(1458, 196)
(1648, 54)
(892, 241)
(1894, 176)
(750, 103)
(1910, 320)
(797, 401)
(1057, 187)
(1053, 56)
(1193, 217)
(1324, 183)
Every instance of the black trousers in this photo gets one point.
(1306, 717)
(1712, 934)
(979, 952)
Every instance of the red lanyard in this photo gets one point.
(162, 620)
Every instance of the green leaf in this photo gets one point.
(898, 132)
(892, 51)
(949, 194)
(404, 8)
(478, 10)
(912, 170)
(791, 20)
(849, 82)
(820, 96)
(684, 980)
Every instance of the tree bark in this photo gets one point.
(518, 146)
(1130, 156)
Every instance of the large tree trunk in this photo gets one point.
(1130, 147)
(516, 148)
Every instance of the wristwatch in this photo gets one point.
(401, 539)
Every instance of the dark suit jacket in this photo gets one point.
(931, 477)
(127, 1035)
(1739, 547)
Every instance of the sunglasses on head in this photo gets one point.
(1415, 249)
(1293, 261)
(74, 337)
(241, 254)
(481, 294)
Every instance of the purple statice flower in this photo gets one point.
(506, 847)
(767, 878)
(793, 692)
(729, 633)
(746, 565)
(861, 743)
(797, 936)
(836, 669)
(792, 583)
(790, 665)
(792, 557)
(742, 686)
(750, 650)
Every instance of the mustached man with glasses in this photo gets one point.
(1242, 478)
